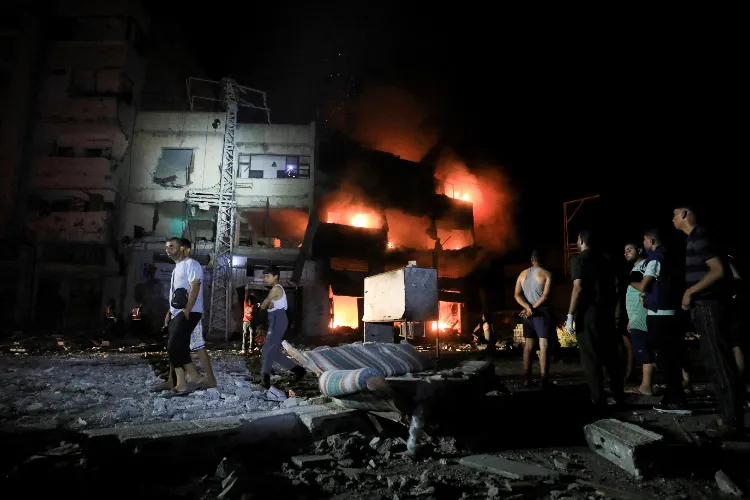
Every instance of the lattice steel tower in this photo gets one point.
(223, 197)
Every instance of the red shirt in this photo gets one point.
(249, 308)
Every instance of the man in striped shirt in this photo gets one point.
(706, 294)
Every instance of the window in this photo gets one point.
(173, 168)
(273, 167)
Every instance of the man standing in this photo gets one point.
(593, 301)
(637, 318)
(532, 290)
(196, 342)
(706, 278)
(185, 312)
(661, 289)
(276, 304)
(247, 321)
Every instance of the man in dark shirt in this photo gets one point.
(593, 301)
(706, 294)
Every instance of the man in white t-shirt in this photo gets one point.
(184, 315)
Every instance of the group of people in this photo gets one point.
(663, 288)
(185, 332)
(662, 295)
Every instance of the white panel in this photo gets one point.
(385, 296)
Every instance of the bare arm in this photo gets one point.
(195, 287)
(274, 294)
(518, 295)
(574, 296)
(714, 274)
(545, 293)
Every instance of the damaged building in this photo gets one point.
(375, 213)
(79, 68)
(177, 156)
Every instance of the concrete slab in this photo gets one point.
(312, 461)
(318, 421)
(507, 468)
(627, 445)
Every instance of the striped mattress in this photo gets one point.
(391, 360)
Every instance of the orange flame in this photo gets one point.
(345, 312)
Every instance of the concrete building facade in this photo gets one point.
(174, 154)
(72, 75)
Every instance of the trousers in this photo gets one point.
(277, 325)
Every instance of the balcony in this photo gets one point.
(59, 173)
(70, 227)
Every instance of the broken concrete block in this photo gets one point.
(632, 448)
(312, 461)
(507, 468)
(726, 485)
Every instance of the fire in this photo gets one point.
(360, 220)
(491, 197)
(345, 312)
(390, 244)
(439, 324)
(450, 317)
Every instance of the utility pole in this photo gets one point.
(571, 249)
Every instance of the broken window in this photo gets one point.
(173, 168)
(245, 170)
(273, 167)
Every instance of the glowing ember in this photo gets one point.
(390, 244)
(360, 220)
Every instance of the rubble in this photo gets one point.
(726, 485)
(627, 445)
(312, 461)
(507, 468)
(104, 390)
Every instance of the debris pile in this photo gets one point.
(108, 390)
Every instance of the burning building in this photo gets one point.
(377, 212)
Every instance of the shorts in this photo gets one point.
(196, 338)
(540, 325)
(641, 350)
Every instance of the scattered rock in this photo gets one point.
(290, 402)
(726, 485)
(34, 406)
(561, 463)
(244, 393)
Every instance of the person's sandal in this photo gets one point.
(190, 388)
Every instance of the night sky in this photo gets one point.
(644, 108)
